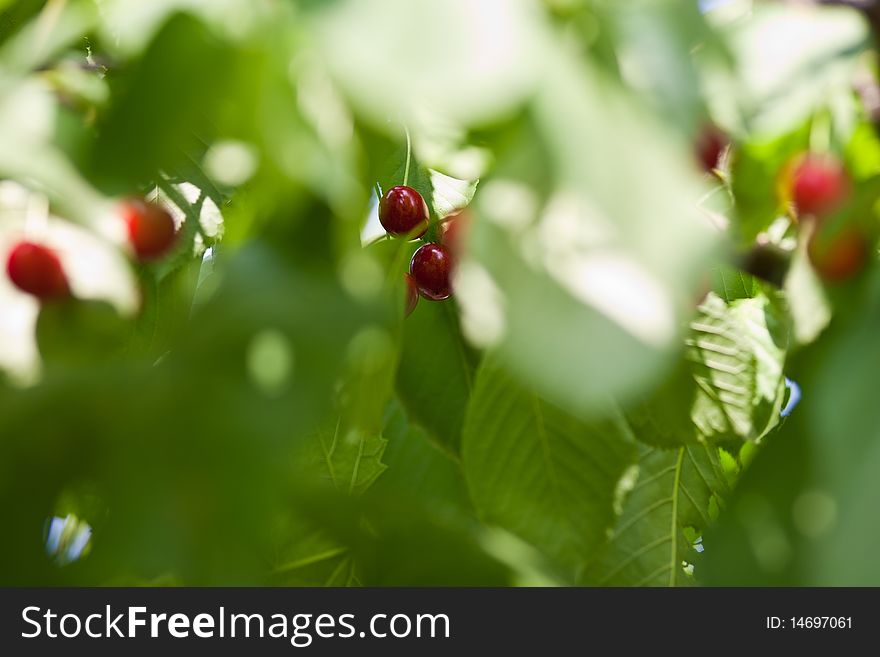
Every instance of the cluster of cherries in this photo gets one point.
(36, 269)
(819, 185)
(404, 213)
(816, 185)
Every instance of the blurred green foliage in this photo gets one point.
(599, 403)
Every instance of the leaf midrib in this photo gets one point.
(555, 485)
(674, 521)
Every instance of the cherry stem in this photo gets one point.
(820, 132)
(408, 157)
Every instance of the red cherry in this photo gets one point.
(430, 267)
(403, 212)
(819, 184)
(838, 257)
(767, 262)
(710, 146)
(36, 269)
(454, 230)
(151, 229)
(412, 294)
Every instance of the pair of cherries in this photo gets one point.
(818, 185)
(404, 213)
(36, 269)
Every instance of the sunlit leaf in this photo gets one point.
(670, 504)
(738, 351)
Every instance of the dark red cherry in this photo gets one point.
(151, 228)
(431, 268)
(710, 146)
(403, 212)
(819, 184)
(767, 262)
(837, 257)
(412, 294)
(36, 269)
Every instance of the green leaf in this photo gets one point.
(728, 384)
(166, 307)
(348, 451)
(396, 540)
(541, 473)
(731, 284)
(674, 497)
(450, 195)
(436, 372)
(306, 556)
(76, 333)
(418, 469)
(863, 151)
(663, 417)
(337, 553)
(352, 461)
(807, 300)
(11, 18)
(184, 63)
(737, 352)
